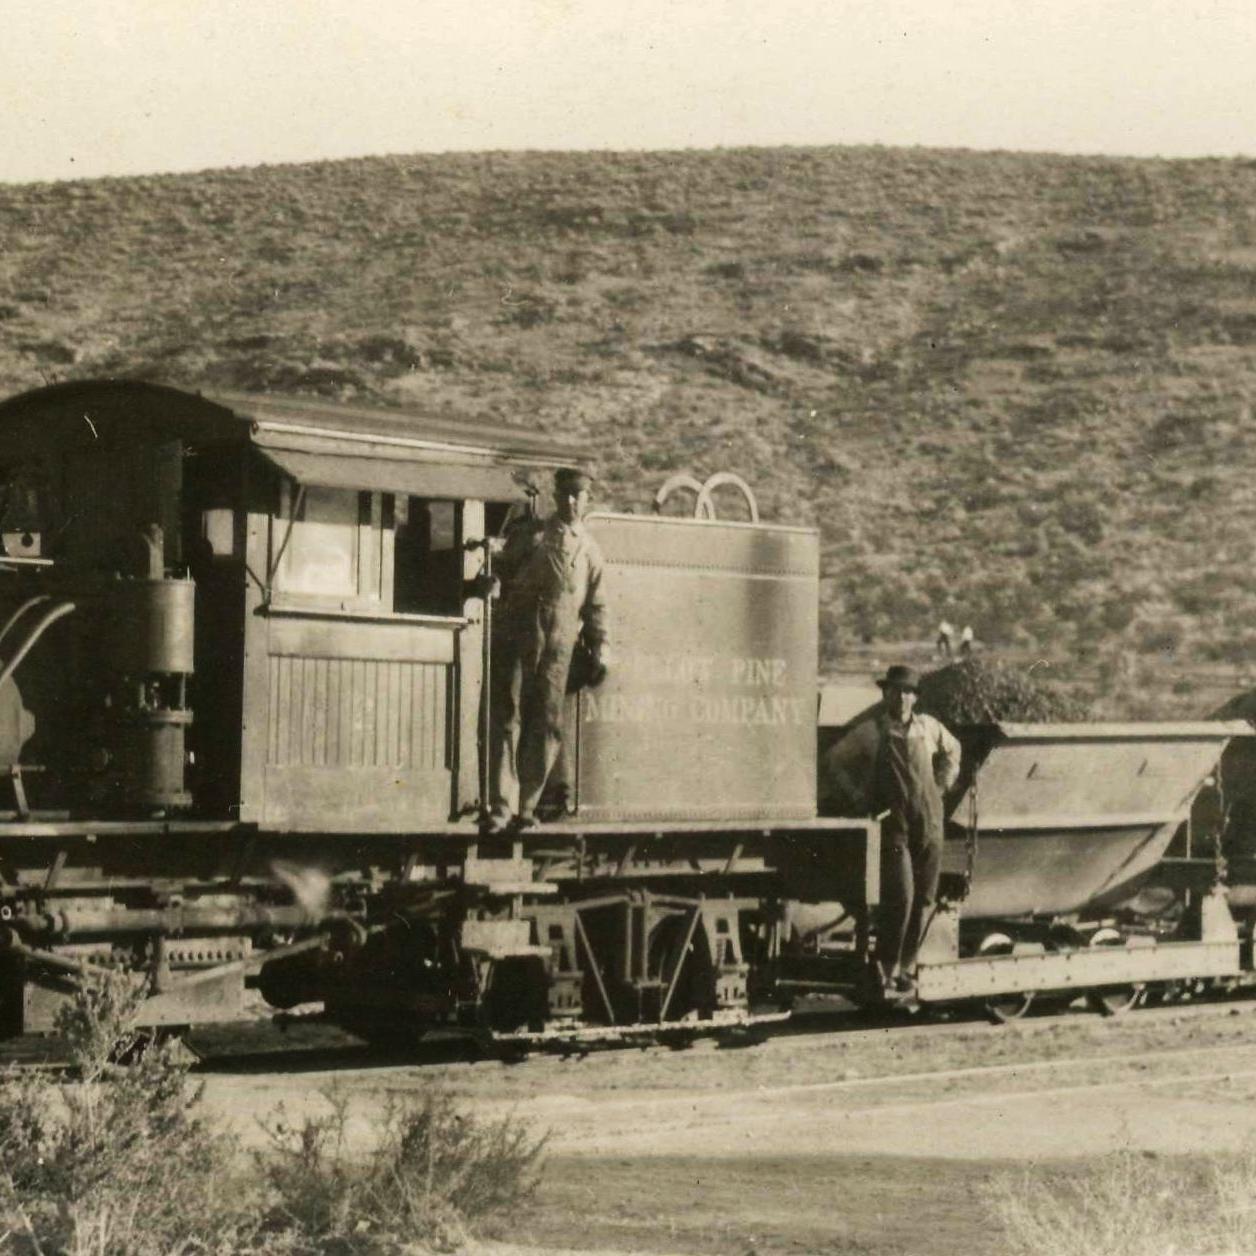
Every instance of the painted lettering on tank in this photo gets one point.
(630, 708)
(667, 669)
(705, 689)
(756, 672)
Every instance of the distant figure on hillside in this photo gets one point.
(946, 640)
(966, 642)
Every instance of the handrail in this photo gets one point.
(21, 610)
(49, 618)
(718, 480)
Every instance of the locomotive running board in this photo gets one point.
(979, 978)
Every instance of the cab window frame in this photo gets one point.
(367, 547)
(436, 589)
(379, 588)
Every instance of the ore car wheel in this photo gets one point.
(1113, 1000)
(1004, 1007)
(1165, 993)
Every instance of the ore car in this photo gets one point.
(1072, 866)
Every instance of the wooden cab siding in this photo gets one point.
(351, 721)
(358, 724)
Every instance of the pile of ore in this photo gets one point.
(981, 691)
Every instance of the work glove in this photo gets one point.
(588, 667)
(601, 663)
(484, 586)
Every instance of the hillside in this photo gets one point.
(1013, 390)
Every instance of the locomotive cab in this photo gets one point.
(250, 609)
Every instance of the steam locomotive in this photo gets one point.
(242, 723)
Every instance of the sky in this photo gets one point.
(116, 87)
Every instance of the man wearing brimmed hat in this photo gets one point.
(898, 765)
(553, 597)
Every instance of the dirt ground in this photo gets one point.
(880, 1143)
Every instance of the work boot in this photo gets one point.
(556, 803)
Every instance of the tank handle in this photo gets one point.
(682, 479)
(704, 505)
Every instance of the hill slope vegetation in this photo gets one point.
(1012, 390)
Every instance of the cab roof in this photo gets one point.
(157, 411)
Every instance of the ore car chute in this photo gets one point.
(1054, 829)
(1070, 818)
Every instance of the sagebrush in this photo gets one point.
(1130, 1204)
(120, 1160)
(431, 1171)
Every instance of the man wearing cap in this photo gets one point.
(553, 596)
(898, 765)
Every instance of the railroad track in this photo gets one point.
(310, 1044)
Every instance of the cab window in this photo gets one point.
(24, 510)
(330, 543)
(339, 548)
(428, 556)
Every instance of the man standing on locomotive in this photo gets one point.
(552, 598)
(899, 765)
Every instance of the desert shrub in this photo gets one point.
(528, 309)
(1129, 1204)
(1164, 636)
(981, 691)
(117, 1162)
(1084, 517)
(875, 599)
(433, 1173)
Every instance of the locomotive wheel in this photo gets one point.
(1113, 1000)
(694, 993)
(1002, 1008)
(515, 999)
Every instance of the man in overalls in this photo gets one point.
(552, 597)
(898, 765)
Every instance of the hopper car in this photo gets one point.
(243, 657)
